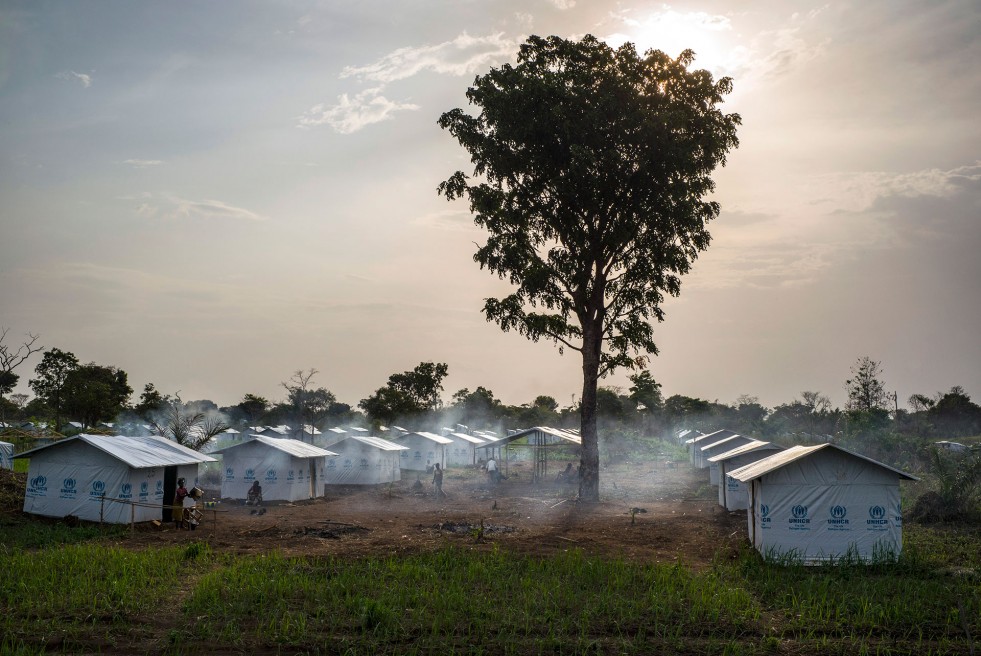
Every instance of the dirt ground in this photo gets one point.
(676, 517)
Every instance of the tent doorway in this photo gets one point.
(170, 489)
(313, 478)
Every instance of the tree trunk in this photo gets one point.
(589, 458)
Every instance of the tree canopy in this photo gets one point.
(590, 170)
(408, 393)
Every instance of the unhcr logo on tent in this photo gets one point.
(348, 464)
(126, 491)
(68, 490)
(898, 517)
(144, 490)
(249, 474)
(765, 515)
(98, 489)
(229, 474)
(37, 486)
(364, 463)
(838, 522)
(270, 475)
(877, 518)
(800, 520)
(331, 464)
(290, 476)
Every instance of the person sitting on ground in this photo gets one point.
(254, 495)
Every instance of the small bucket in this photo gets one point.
(196, 493)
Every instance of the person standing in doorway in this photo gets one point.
(179, 497)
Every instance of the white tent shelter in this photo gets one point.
(423, 450)
(732, 493)
(463, 451)
(363, 460)
(70, 477)
(822, 502)
(697, 442)
(6, 455)
(705, 453)
(287, 469)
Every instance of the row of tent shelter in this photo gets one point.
(815, 503)
(124, 479)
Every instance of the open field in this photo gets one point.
(516, 568)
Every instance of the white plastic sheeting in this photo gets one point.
(6, 455)
(733, 494)
(822, 502)
(287, 469)
(703, 455)
(71, 477)
(363, 461)
(423, 450)
(696, 443)
(463, 450)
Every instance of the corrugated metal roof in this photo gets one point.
(467, 438)
(337, 430)
(378, 442)
(287, 445)
(783, 458)
(554, 432)
(749, 447)
(722, 442)
(438, 439)
(714, 436)
(137, 452)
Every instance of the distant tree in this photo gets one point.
(253, 407)
(151, 401)
(10, 359)
(592, 164)
(52, 374)
(546, 402)
(609, 404)
(94, 393)
(646, 391)
(816, 401)
(187, 426)
(478, 406)
(750, 415)
(955, 415)
(865, 391)
(685, 411)
(920, 402)
(406, 394)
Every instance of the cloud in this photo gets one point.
(143, 163)
(562, 4)
(214, 209)
(856, 191)
(351, 114)
(463, 55)
(85, 79)
(455, 220)
(168, 206)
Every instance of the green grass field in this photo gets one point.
(88, 597)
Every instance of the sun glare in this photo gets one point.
(672, 31)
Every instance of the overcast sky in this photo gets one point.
(212, 196)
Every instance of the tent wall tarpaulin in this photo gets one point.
(733, 494)
(822, 502)
(71, 477)
(287, 469)
(463, 451)
(363, 461)
(423, 450)
(696, 443)
(706, 452)
(6, 455)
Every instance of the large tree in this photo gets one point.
(408, 394)
(93, 393)
(591, 167)
(52, 373)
